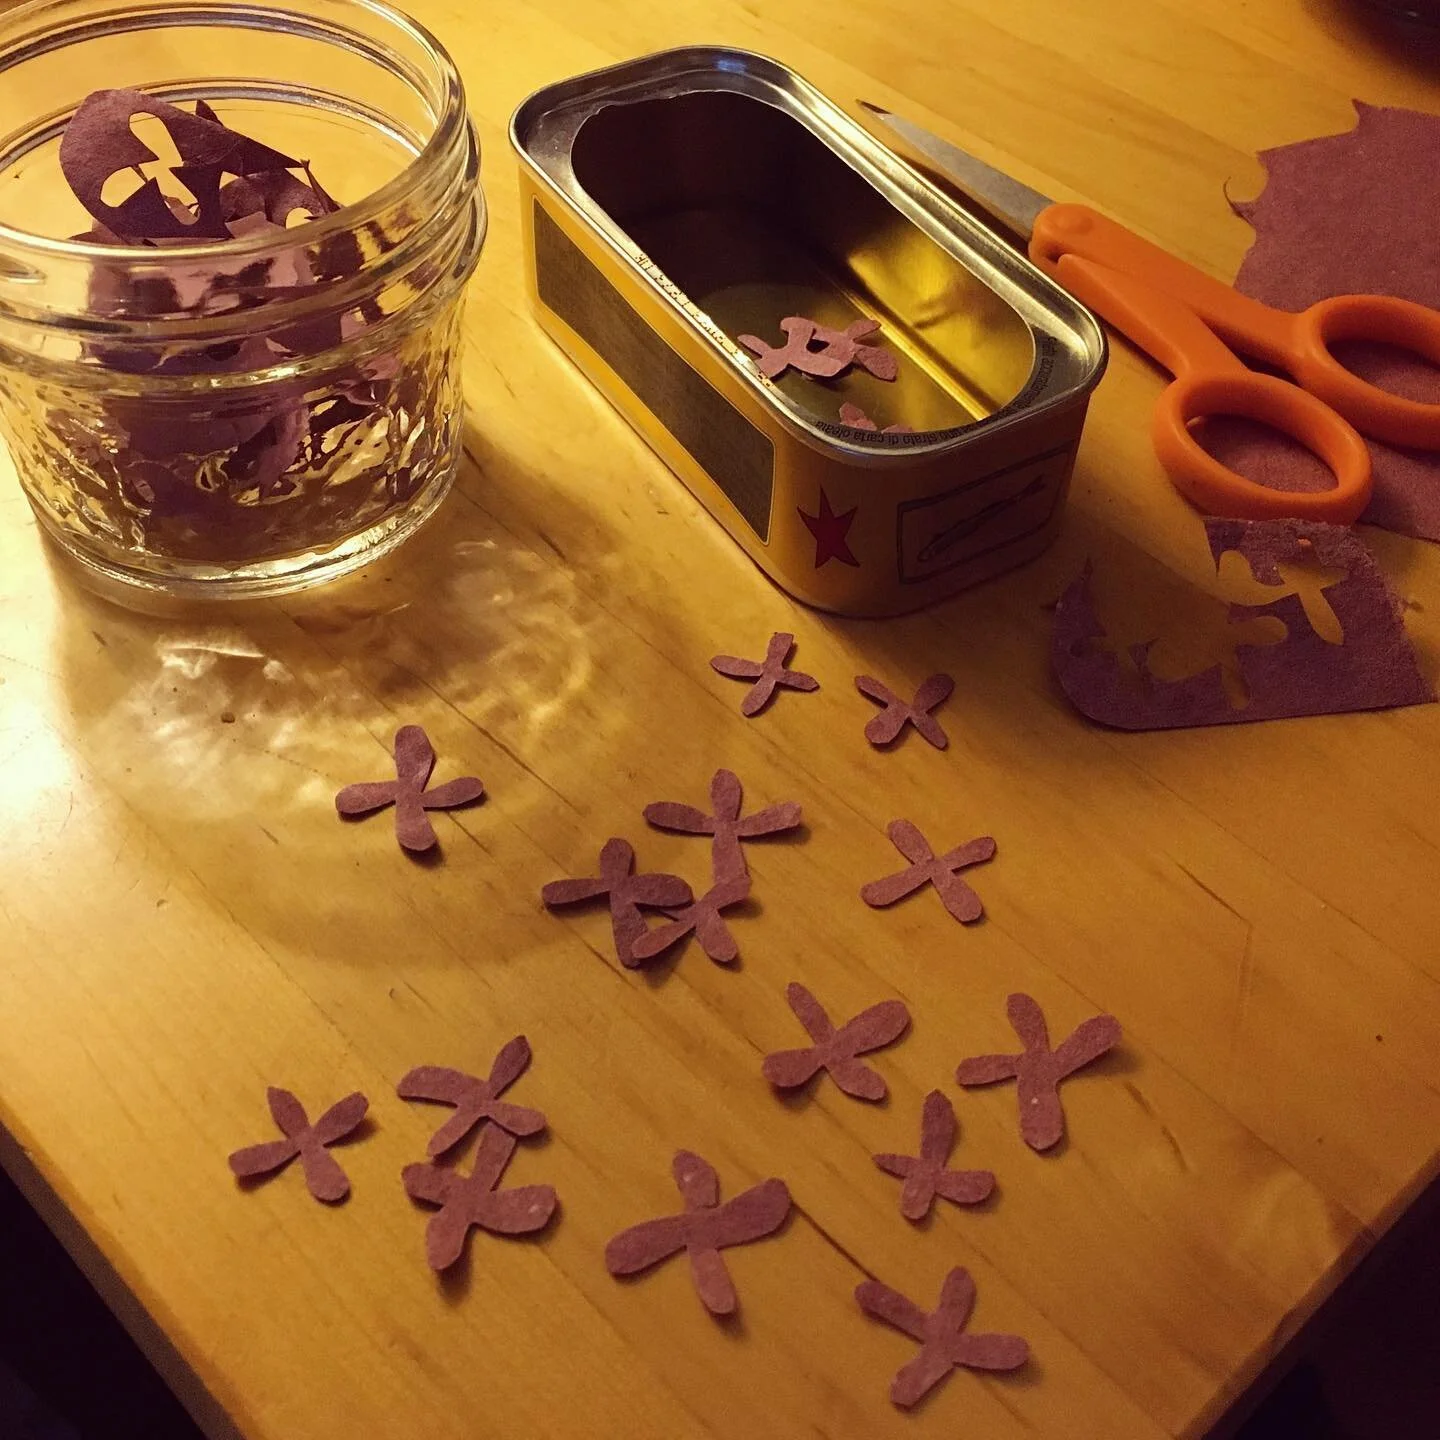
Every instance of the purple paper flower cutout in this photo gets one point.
(857, 419)
(839, 350)
(474, 1099)
(703, 919)
(835, 1051)
(774, 360)
(703, 1229)
(849, 348)
(885, 728)
(1039, 1069)
(927, 868)
(769, 674)
(944, 1345)
(727, 825)
(323, 1175)
(626, 892)
(475, 1200)
(925, 1175)
(414, 760)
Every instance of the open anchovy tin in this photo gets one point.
(676, 202)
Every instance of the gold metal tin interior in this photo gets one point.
(755, 218)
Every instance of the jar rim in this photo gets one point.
(451, 130)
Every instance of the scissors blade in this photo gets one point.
(1013, 204)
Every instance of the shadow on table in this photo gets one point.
(472, 625)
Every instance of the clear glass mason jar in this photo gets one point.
(258, 414)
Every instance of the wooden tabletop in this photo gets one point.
(183, 920)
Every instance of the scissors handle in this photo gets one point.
(1078, 230)
(1297, 343)
(1379, 320)
(1210, 381)
(1218, 490)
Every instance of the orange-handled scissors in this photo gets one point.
(1187, 321)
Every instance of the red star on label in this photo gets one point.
(830, 530)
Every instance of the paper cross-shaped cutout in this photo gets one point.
(474, 1099)
(835, 1051)
(857, 419)
(927, 868)
(925, 1174)
(323, 1175)
(769, 674)
(414, 760)
(944, 1345)
(472, 1200)
(774, 360)
(885, 728)
(704, 1229)
(1039, 1069)
(727, 825)
(848, 346)
(840, 349)
(627, 893)
(703, 919)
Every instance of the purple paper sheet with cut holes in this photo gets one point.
(1349, 214)
(99, 143)
(1373, 667)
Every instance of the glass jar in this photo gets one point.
(257, 414)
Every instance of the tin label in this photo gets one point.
(739, 458)
(981, 516)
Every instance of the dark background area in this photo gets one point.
(69, 1372)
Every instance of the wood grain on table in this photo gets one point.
(183, 920)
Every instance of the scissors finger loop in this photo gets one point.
(1377, 319)
(1218, 490)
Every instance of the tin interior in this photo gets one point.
(754, 218)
